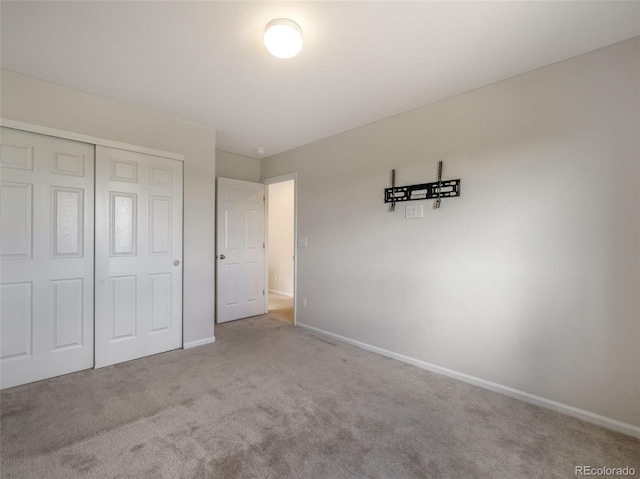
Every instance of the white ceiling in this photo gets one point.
(361, 61)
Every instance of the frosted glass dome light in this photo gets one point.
(283, 38)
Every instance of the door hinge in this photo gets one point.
(262, 245)
(263, 292)
(263, 198)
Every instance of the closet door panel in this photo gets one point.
(46, 256)
(138, 255)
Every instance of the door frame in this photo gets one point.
(269, 181)
(96, 141)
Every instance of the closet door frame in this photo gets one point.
(44, 130)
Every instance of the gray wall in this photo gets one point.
(237, 167)
(42, 103)
(531, 278)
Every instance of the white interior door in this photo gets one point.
(138, 255)
(240, 249)
(46, 257)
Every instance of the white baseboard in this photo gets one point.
(290, 295)
(199, 342)
(603, 421)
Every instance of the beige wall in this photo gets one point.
(280, 228)
(237, 167)
(530, 279)
(42, 103)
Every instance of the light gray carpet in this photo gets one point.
(268, 400)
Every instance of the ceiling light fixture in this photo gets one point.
(283, 38)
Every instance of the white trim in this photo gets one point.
(268, 181)
(603, 421)
(281, 293)
(45, 130)
(199, 342)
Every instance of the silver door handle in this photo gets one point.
(176, 263)
(222, 256)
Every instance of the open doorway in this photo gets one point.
(281, 215)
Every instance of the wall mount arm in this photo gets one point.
(423, 191)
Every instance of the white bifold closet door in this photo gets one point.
(138, 255)
(46, 256)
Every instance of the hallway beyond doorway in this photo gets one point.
(281, 307)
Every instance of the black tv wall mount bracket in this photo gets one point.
(424, 191)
